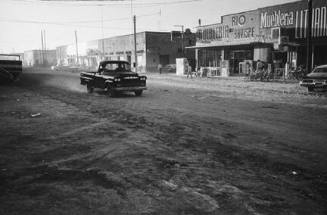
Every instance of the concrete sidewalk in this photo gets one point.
(231, 83)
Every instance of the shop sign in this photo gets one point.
(243, 25)
(319, 22)
(212, 32)
(238, 20)
(233, 27)
(294, 16)
(276, 19)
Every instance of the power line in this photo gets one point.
(54, 23)
(89, 3)
(112, 20)
(71, 23)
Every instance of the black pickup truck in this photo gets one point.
(113, 77)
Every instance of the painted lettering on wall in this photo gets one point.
(319, 23)
(276, 19)
(213, 33)
(297, 19)
(244, 33)
(224, 32)
(238, 20)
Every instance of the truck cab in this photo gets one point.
(113, 77)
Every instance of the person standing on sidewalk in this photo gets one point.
(159, 68)
(189, 71)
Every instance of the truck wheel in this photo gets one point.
(138, 92)
(89, 88)
(310, 89)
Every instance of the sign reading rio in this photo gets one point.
(238, 20)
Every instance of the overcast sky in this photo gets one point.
(21, 21)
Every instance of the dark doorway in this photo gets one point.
(164, 59)
(129, 59)
(320, 55)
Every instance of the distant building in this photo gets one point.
(152, 48)
(40, 58)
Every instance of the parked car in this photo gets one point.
(316, 79)
(113, 77)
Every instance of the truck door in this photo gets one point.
(99, 81)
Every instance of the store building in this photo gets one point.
(275, 35)
(39, 58)
(229, 43)
(152, 48)
(285, 26)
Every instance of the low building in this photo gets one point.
(229, 43)
(153, 48)
(40, 58)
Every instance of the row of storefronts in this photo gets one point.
(153, 48)
(275, 35)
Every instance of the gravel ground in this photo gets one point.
(187, 146)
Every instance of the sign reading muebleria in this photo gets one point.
(294, 16)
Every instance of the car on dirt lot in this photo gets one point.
(316, 79)
(114, 77)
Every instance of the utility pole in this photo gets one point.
(182, 26)
(45, 41)
(76, 46)
(45, 48)
(103, 54)
(42, 47)
(309, 39)
(135, 50)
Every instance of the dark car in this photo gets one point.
(113, 77)
(316, 79)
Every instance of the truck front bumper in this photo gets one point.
(120, 89)
(315, 84)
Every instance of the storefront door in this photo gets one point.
(237, 57)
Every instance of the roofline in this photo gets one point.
(257, 9)
(124, 35)
(209, 24)
(241, 12)
(39, 50)
(277, 5)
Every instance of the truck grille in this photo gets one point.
(130, 83)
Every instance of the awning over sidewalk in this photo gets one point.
(227, 43)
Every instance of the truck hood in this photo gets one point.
(320, 75)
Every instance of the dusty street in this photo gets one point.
(187, 146)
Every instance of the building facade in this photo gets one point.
(153, 48)
(275, 35)
(39, 58)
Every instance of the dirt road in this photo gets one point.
(187, 146)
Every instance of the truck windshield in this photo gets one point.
(320, 70)
(117, 67)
